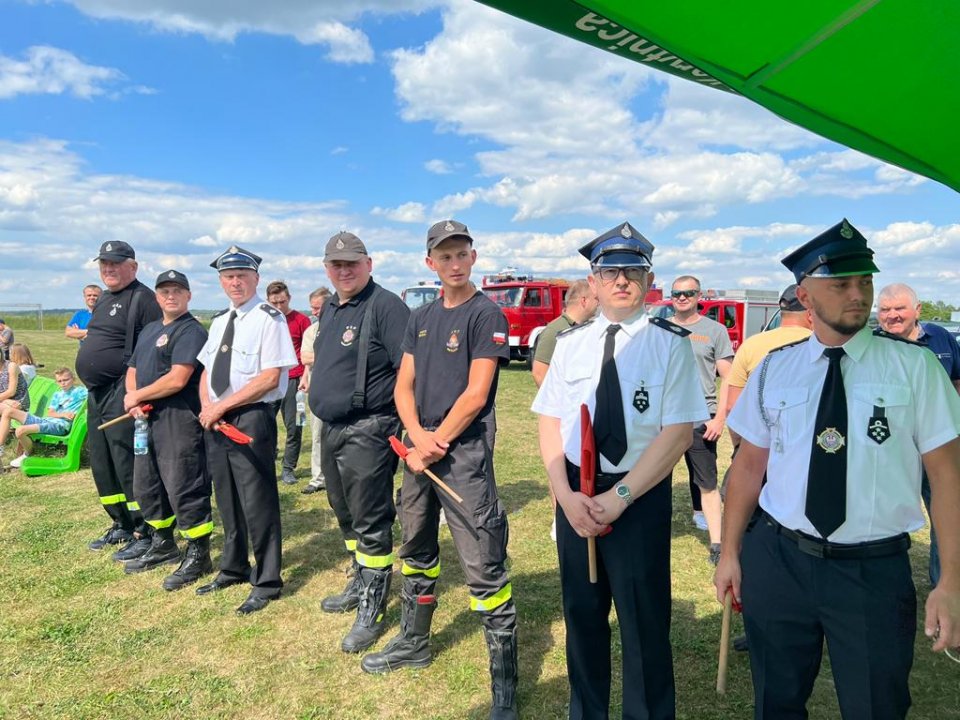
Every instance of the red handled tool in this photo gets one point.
(232, 433)
(402, 451)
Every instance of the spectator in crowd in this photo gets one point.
(317, 300)
(77, 326)
(13, 385)
(21, 355)
(6, 339)
(56, 420)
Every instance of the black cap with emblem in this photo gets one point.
(444, 230)
(115, 251)
(345, 247)
(838, 252)
(172, 276)
(789, 301)
(622, 246)
(236, 258)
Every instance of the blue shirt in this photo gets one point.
(80, 319)
(942, 344)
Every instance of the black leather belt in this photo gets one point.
(604, 481)
(841, 551)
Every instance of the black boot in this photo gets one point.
(114, 535)
(163, 550)
(349, 599)
(139, 543)
(502, 645)
(196, 563)
(411, 647)
(369, 626)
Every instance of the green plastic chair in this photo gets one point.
(41, 390)
(70, 462)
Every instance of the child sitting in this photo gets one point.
(21, 355)
(59, 415)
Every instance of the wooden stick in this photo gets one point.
(115, 421)
(443, 486)
(592, 558)
(724, 643)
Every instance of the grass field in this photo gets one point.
(79, 639)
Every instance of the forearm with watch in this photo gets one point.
(655, 463)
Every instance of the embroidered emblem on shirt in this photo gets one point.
(422, 334)
(499, 338)
(830, 440)
(641, 399)
(162, 340)
(114, 308)
(453, 344)
(878, 429)
(349, 335)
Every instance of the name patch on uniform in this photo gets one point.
(349, 335)
(499, 338)
(453, 342)
(162, 340)
(422, 334)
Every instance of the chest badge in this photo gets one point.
(878, 429)
(224, 348)
(114, 308)
(162, 340)
(830, 441)
(349, 335)
(453, 342)
(641, 399)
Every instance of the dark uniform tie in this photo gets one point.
(609, 427)
(220, 374)
(826, 506)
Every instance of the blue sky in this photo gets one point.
(184, 126)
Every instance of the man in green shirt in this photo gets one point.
(579, 306)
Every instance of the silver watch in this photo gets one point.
(623, 492)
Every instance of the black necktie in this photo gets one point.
(826, 505)
(220, 374)
(609, 428)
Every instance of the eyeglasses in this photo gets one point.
(684, 293)
(633, 273)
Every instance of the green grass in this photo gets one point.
(80, 639)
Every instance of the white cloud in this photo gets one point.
(438, 167)
(340, 150)
(411, 212)
(51, 71)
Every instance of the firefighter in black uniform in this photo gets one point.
(124, 309)
(245, 360)
(170, 481)
(452, 352)
(357, 353)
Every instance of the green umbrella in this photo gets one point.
(880, 76)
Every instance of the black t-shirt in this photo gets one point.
(161, 346)
(101, 360)
(335, 350)
(443, 342)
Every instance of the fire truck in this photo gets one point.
(423, 293)
(742, 312)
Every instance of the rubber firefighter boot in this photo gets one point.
(411, 647)
(349, 599)
(374, 584)
(196, 563)
(502, 645)
(163, 550)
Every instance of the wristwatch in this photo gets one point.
(623, 492)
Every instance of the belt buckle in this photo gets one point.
(810, 546)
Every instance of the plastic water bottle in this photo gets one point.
(301, 407)
(141, 439)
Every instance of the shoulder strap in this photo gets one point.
(131, 325)
(671, 326)
(359, 399)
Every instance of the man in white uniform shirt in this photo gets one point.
(840, 423)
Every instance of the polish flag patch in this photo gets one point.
(499, 338)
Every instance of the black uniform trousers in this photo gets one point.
(358, 466)
(245, 483)
(633, 570)
(111, 455)
(287, 406)
(171, 480)
(866, 609)
(478, 527)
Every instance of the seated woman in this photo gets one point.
(57, 419)
(21, 355)
(13, 386)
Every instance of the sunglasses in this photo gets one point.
(609, 274)
(684, 293)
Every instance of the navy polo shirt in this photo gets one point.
(942, 344)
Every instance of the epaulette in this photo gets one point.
(219, 313)
(574, 328)
(878, 332)
(671, 326)
(270, 310)
(791, 344)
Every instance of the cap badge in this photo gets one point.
(340, 244)
(108, 247)
(625, 231)
(846, 232)
(449, 227)
(171, 274)
(830, 441)
(233, 249)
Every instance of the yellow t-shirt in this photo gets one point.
(755, 348)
